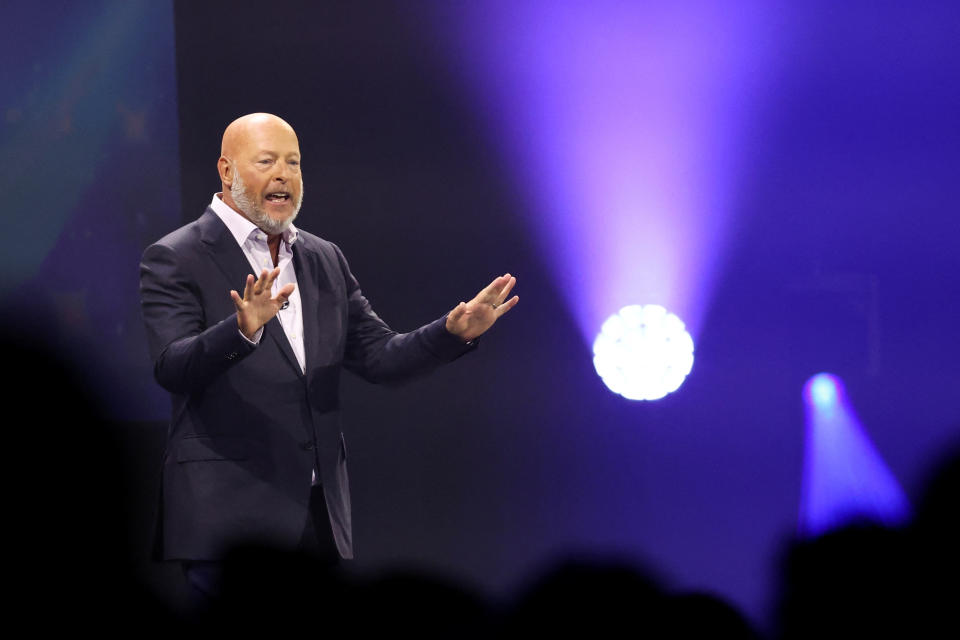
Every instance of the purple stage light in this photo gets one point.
(844, 477)
(621, 123)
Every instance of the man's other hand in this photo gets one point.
(468, 320)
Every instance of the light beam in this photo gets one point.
(622, 124)
(844, 477)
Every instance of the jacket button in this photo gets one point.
(306, 446)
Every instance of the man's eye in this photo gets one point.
(265, 161)
(295, 163)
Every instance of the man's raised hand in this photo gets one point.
(469, 320)
(257, 307)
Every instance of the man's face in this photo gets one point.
(267, 186)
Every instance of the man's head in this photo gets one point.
(259, 168)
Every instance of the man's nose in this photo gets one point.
(283, 173)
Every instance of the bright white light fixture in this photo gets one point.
(643, 352)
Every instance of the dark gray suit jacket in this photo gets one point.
(248, 427)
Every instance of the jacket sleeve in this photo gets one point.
(379, 354)
(187, 352)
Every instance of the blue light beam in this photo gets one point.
(844, 477)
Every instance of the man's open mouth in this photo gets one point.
(279, 196)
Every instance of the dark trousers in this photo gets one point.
(317, 539)
(204, 576)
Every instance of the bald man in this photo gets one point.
(249, 322)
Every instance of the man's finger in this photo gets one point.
(491, 289)
(261, 281)
(488, 295)
(506, 289)
(271, 277)
(284, 293)
(506, 306)
(237, 300)
(248, 289)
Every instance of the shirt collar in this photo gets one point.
(240, 228)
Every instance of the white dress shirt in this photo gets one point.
(253, 242)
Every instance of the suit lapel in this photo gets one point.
(224, 250)
(307, 283)
(275, 331)
(233, 263)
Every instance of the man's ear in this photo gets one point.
(225, 168)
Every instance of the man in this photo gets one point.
(254, 450)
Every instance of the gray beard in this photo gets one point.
(255, 213)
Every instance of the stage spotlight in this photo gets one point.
(844, 477)
(643, 352)
(821, 391)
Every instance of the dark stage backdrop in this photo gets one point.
(844, 259)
